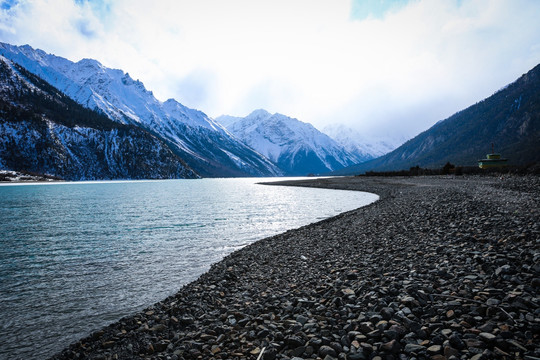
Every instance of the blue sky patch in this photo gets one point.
(377, 9)
(101, 8)
(7, 4)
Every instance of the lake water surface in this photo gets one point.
(75, 257)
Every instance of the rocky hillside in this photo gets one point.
(44, 131)
(510, 119)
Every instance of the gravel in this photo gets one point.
(438, 268)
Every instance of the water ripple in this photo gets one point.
(73, 255)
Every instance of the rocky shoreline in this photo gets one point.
(438, 268)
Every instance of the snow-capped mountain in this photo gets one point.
(205, 145)
(363, 147)
(294, 146)
(44, 131)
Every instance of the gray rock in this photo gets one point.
(493, 302)
(391, 347)
(456, 342)
(294, 341)
(434, 349)
(302, 319)
(387, 313)
(414, 348)
(325, 351)
(487, 336)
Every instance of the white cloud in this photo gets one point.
(387, 75)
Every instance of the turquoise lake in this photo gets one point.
(75, 257)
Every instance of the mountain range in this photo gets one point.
(82, 120)
(203, 144)
(294, 146)
(509, 119)
(44, 131)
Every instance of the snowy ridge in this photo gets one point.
(37, 134)
(110, 90)
(206, 145)
(363, 147)
(12, 79)
(296, 147)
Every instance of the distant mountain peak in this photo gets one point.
(366, 147)
(295, 146)
(28, 50)
(90, 63)
(259, 114)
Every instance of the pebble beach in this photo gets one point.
(440, 267)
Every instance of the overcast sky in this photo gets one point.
(385, 68)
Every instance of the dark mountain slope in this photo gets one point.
(44, 131)
(510, 119)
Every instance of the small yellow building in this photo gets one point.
(492, 160)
